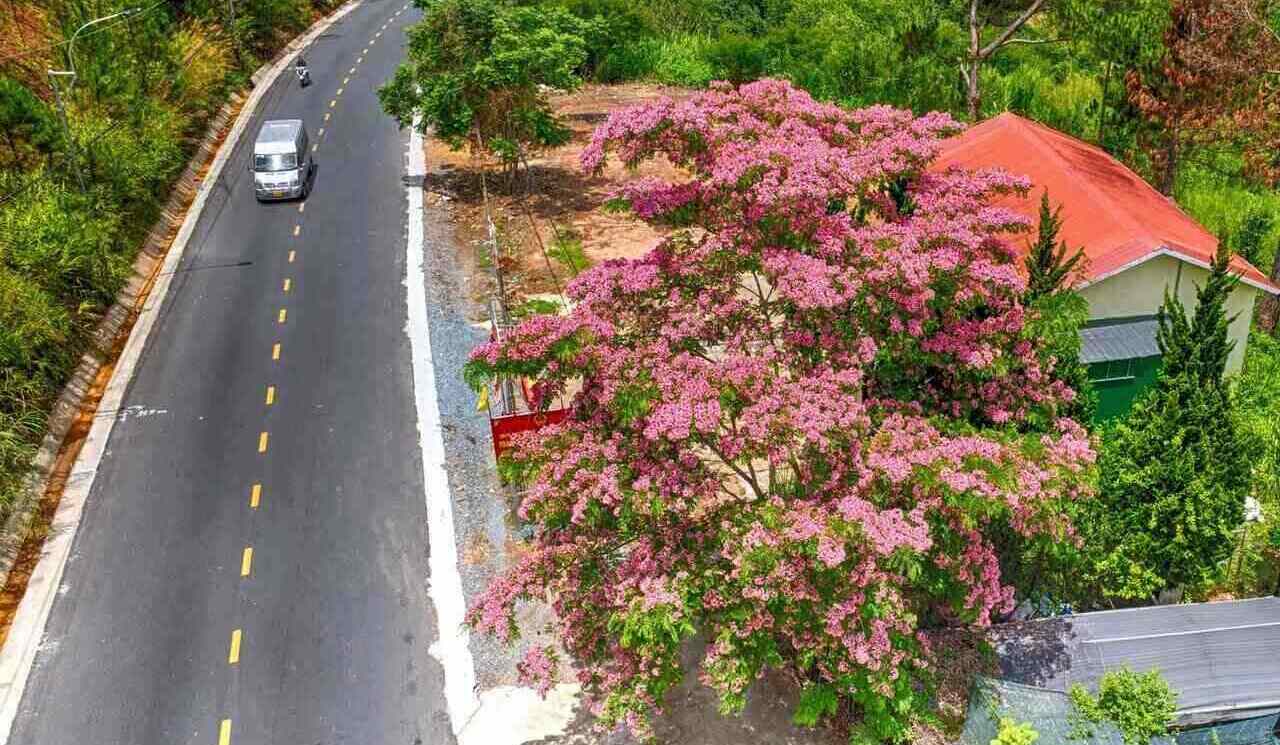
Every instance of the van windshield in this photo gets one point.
(275, 162)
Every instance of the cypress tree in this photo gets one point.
(1174, 473)
(1059, 311)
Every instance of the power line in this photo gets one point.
(64, 42)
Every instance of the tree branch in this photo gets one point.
(1035, 41)
(1009, 30)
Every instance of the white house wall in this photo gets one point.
(1138, 291)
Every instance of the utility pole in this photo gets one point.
(66, 128)
(70, 75)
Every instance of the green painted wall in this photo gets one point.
(1119, 382)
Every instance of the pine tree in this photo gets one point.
(1174, 472)
(1049, 263)
(1059, 311)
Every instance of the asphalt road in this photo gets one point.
(330, 612)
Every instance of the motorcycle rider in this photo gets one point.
(300, 69)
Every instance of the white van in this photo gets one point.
(282, 165)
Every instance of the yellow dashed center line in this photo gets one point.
(320, 132)
(296, 230)
(347, 79)
(315, 147)
(271, 394)
(262, 442)
(366, 51)
(291, 255)
(333, 102)
(302, 207)
(234, 655)
(361, 59)
(326, 116)
(375, 36)
(255, 496)
(284, 313)
(275, 348)
(287, 283)
(352, 71)
(340, 90)
(246, 561)
(224, 733)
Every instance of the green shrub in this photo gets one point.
(633, 60)
(1013, 733)
(738, 59)
(1140, 705)
(680, 61)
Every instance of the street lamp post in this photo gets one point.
(70, 75)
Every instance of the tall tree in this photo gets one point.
(797, 426)
(1175, 472)
(1058, 312)
(478, 69)
(1003, 17)
(1215, 82)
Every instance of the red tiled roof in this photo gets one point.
(1106, 208)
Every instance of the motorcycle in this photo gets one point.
(304, 75)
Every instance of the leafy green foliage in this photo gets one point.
(1013, 733)
(1175, 472)
(1140, 705)
(476, 70)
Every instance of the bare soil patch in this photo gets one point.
(555, 202)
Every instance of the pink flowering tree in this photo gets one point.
(797, 424)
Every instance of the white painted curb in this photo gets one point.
(506, 715)
(20, 647)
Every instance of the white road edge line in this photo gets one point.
(27, 631)
(506, 715)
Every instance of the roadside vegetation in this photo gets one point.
(77, 201)
(695, 488)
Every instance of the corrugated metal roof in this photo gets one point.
(1222, 659)
(1107, 209)
(1119, 341)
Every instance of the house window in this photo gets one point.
(1103, 372)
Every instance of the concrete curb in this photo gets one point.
(27, 629)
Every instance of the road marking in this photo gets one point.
(262, 442)
(224, 733)
(271, 394)
(366, 51)
(345, 81)
(360, 59)
(275, 351)
(326, 116)
(291, 255)
(352, 71)
(315, 147)
(303, 206)
(340, 90)
(320, 132)
(333, 102)
(246, 562)
(296, 230)
(284, 313)
(234, 655)
(287, 283)
(375, 36)
(255, 496)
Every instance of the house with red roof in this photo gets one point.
(1137, 242)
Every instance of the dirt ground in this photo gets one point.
(554, 200)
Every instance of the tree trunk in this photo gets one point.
(973, 63)
(1102, 103)
(1269, 312)
(1169, 173)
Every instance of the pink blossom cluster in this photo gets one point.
(797, 428)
